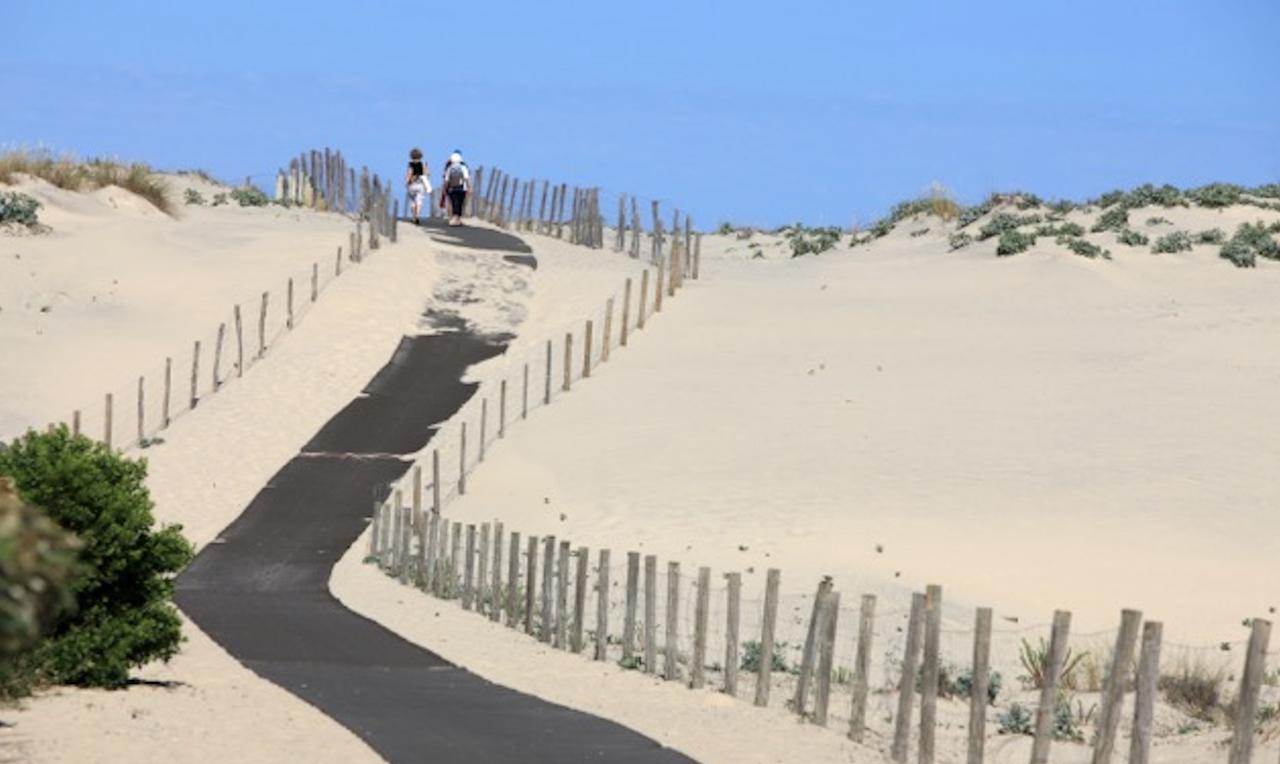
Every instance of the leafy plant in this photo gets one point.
(1132, 238)
(1178, 241)
(1035, 662)
(1195, 688)
(959, 240)
(192, 196)
(1158, 221)
(751, 656)
(812, 241)
(18, 208)
(1069, 722)
(1210, 236)
(248, 196)
(919, 232)
(1084, 248)
(1065, 229)
(126, 617)
(963, 685)
(1013, 242)
(634, 663)
(1015, 721)
(1113, 219)
(219, 199)
(1003, 222)
(1216, 195)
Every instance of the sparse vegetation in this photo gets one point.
(1216, 195)
(1178, 241)
(1013, 242)
(919, 232)
(1251, 241)
(1114, 219)
(959, 240)
(1065, 229)
(751, 656)
(219, 199)
(1015, 721)
(125, 586)
(17, 208)
(192, 196)
(1210, 236)
(1005, 222)
(1084, 248)
(1196, 689)
(1132, 238)
(1035, 659)
(1158, 221)
(71, 174)
(248, 196)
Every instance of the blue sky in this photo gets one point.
(826, 112)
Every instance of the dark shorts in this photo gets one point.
(456, 200)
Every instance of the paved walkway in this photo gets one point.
(263, 593)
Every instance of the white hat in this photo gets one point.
(455, 157)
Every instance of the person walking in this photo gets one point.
(457, 184)
(417, 183)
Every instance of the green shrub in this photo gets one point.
(192, 196)
(1068, 722)
(126, 618)
(1178, 241)
(248, 196)
(1132, 238)
(1240, 254)
(1003, 222)
(963, 685)
(1158, 221)
(751, 656)
(1015, 721)
(1112, 220)
(919, 232)
(1216, 195)
(1035, 658)
(219, 199)
(970, 214)
(19, 209)
(725, 229)
(1268, 191)
(1084, 248)
(1250, 241)
(812, 241)
(1210, 236)
(1063, 206)
(1065, 229)
(1111, 198)
(1196, 689)
(1148, 195)
(959, 240)
(1013, 242)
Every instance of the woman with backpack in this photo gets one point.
(457, 184)
(415, 180)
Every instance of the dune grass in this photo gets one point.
(72, 174)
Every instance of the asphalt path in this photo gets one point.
(261, 590)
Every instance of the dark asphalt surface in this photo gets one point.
(261, 590)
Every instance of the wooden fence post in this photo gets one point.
(524, 394)
(629, 615)
(482, 569)
(586, 351)
(239, 342)
(978, 688)
(514, 601)
(288, 294)
(606, 336)
(765, 672)
(808, 656)
(548, 592)
(430, 558)
(337, 263)
(195, 375)
(697, 256)
(441, 581)
(562, 596)
(657, 289)
(397, 533)
(626, 312)
(862, 668)
(579, 600)
(1145, 698)
(468, 573)
(1113, 687)
(142, 410)
(1049, 690)
(168, 386)
(455, 559)
(826, 657)
(217, 357)
(733, 607)
(542, 210)
(1247, 699)
(650, 614)
(671, 645)
(702, 607)
(929, 678)
(602, 606)
(644, 297)
(530, 583)
(262, 325)
(496, 597)
(568, 360)
(502, 409)
(75, 422)
(546, 393)
(315, 281)
(907, 682)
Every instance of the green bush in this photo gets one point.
(19, 209)
(1013, 242)
(812, 241)
(959, 240)
(125, 586)
(1066, 229)
(1113, 219)
(1251, 241)
(219, 199)
(192, 196)
(751, 656)
(1015, 721)
(963, 685)
(1004, 222)
(1158, 221)
(1210, 236)
(1132, 238)
(1216, 195)
(919, 232)
(248, 196)
(1240, 254)
(1084, 248)
(1178, 241)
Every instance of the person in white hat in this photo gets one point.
(457, 184)
(416, 183)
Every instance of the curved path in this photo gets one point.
(262, 590)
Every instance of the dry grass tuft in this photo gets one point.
(71, 174)
(941, 203)
(1196, 688)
